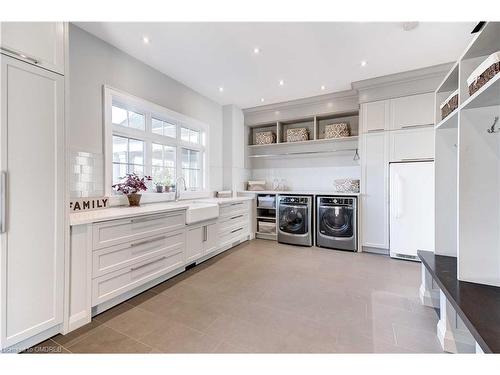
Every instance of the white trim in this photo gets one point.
(151, 110)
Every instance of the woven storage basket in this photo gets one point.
(347, 185)
(449, 105)
(265, 138)
(488, 74)
(297, 135)
(338, 130)
(484, 72)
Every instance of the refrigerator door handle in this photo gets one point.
(396, 209)
(3, 201)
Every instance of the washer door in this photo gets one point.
(293, 219)
(336, 221)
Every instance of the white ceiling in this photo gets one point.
(206, 56)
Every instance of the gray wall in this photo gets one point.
(92, 63)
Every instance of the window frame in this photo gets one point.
(151, 110)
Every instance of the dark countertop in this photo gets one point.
(477, 305)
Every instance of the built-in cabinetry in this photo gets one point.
(393, 130)
(467, 166)
(32, 144)
(37, 43)
(114, 259)
(201, 241)
(315, 144)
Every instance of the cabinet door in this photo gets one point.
(412, 111)
(412, 144)
(32, 239)
(375, 116)
(211, 231)
(195, 243)
(39, 43)
(375, 214)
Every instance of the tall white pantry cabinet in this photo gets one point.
(33, 194)
(392, 130)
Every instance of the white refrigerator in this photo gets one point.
(411, 203)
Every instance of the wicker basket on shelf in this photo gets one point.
(338, 130)
(265, 138)
(297, 135)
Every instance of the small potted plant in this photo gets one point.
(159, 187)
(131, 185)
(168, 183)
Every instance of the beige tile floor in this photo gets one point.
(264, 297)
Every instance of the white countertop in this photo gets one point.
(299, 192)
(120, 212)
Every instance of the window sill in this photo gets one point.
(148, 197)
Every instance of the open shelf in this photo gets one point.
(486, 96)
(310, 142)
(450, 121)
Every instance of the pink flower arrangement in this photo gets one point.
(132, 184)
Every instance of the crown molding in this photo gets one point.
(339, 95)
(403, 77)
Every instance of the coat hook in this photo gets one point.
(356, 155)
(492, 130)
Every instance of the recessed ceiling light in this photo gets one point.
(221, 89)
(323, 87)
(363, 63)
(262, 100)
(145, 39)
(282, 82)
(256, 50)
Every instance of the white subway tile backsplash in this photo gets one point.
(87, 178)
(310, 178)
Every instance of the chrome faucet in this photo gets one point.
(177, 190)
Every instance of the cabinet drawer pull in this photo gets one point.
(417, 159)
(415, 126)
(236, 204)
(144, 219)
(236, 230)
(235, 217)
(205, 234)
(147, 264)
(147, 241)
(376, 130)
(21, 55)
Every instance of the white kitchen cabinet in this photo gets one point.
(412, 144)
(211, 235)
(201, 240)
(195, 240)
(33, 224)
(38, 43)
(375, 168)
(412, 111)
(375, 116)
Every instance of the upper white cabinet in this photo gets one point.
(33, 225)
(375, 116)
(412, 144)
(412, 111)
(38, 43)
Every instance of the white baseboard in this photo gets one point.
(454, 341)
(429, 298)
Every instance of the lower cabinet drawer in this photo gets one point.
(231, 221)
(114, 232)
(115, 283)
(232, 234)
(229, 209)
(116, 257)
